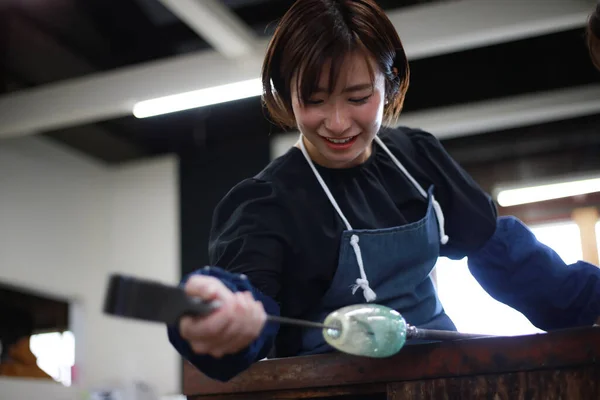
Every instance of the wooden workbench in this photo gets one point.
(557, 365)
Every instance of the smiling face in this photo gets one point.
(339, 125)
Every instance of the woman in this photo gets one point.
(356, 212)
(593, 36)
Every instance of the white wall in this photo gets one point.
(66, 223)
(28, 389)
(144, 241)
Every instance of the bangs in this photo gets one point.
(312, 63)
(318, 37)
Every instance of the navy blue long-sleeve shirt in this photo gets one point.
(280, 230)
(525, 274)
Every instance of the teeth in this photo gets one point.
(340, 141)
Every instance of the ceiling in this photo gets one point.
(48, 43)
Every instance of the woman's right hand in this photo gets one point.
(232, 327)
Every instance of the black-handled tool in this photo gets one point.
(147, 300)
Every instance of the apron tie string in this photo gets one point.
(440, 219)
(436, 206)
(361, 282)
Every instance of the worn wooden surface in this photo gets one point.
(340, 374)
(569, 384)
(352, 392)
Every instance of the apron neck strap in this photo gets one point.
(436, 206)
(362, 282)
(323, 185)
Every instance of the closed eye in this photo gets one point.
(361, 100)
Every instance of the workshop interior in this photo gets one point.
(123, 123)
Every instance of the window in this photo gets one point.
(563, 237)
(473, 310)
(55, 354)
(27, 314)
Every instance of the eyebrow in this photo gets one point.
(353, 88)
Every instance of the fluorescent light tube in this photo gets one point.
(517, 196)
(198, 98)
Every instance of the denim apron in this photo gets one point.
(391, 267)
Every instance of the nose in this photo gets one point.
(338, 120)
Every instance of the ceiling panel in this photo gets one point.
(49, 41)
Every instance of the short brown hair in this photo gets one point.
(313, 32)
(593, 36)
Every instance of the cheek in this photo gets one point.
(308, 118)
(370, 115)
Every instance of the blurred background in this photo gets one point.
(99, 175)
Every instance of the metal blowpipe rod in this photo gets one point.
(412, 332)
(298, 322)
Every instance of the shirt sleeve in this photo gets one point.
(469, 212)
(227, 367)
(519, 271)
(248, 234)
(246, 251)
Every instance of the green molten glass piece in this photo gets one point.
(368, 330)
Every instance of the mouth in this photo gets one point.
(341, 140)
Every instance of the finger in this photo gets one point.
(205, 336)
(201, 286)
(207, 288)
(232, 336)
(210, 329)
(199, 347)
(185, 327)
(247, 317)
(253, 328)
(204, 328)
(249, 329)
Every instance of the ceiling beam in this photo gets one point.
(451, 26)
(426, 30)
(489, 116)
(493, 115)
(217, 24)
(526, 141)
